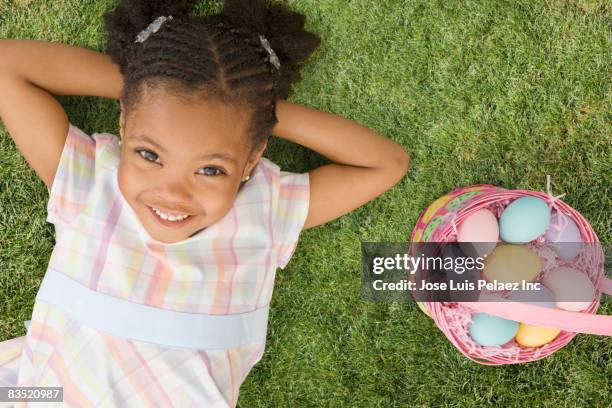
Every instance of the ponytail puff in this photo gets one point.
(284, 30)
(130, 17)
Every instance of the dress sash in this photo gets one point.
(154, 325)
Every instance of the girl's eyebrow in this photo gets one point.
(219, 155)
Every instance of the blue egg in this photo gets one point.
(524, 220)
(488, 330)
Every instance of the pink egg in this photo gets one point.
(572, 288)
(564, 236)
(479, 232)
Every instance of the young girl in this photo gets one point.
(168, 240)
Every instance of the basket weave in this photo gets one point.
(438, 224)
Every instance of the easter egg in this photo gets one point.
(461, 275)
(572, 288)
(454, 259)
(564, 236)
(535, 336)
(488, 330)
(512, 263)
(524, 220)
(478, 233)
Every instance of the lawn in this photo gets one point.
(479, 92)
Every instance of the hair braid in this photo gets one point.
(218, 57)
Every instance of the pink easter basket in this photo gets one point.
(438, 223)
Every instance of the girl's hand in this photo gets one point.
(366, 163)
(31, 72)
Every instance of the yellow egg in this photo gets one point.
(512, 263)
(535, 336)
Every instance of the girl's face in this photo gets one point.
(182, 159)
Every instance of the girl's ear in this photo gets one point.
(252, 162)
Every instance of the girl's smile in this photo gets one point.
(170, 221)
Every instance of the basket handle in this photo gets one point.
(577, 322)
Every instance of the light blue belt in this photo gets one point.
(140, 322)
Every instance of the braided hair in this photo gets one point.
(217, 57)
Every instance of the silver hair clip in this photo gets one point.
(273, 57)
(151, 28)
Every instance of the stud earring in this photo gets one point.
(247, 178)
(119, 142)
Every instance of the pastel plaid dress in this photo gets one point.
(227, 268)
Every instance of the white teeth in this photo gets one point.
(169, 217)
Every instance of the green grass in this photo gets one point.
(478, 92)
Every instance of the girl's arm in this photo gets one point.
(366, 163)
(31, 72)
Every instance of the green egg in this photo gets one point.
(524, 220)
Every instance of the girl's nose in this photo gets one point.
(176, 188)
